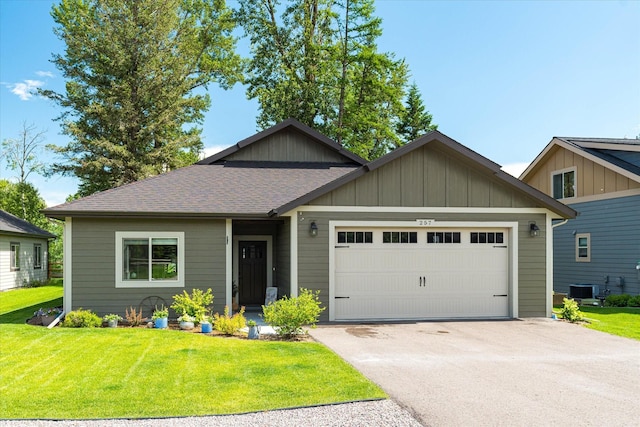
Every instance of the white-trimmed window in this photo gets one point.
(37, 256)
(14, 256)
(583, 247)
(149, 259)
(563, 183)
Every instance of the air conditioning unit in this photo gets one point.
(583, 291)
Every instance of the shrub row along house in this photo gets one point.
(431, 230)
(23, 252)
(599, 251)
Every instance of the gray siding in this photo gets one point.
(288, 145)
(94, 262)
(282, 249)
(426, 177)
(313, 254)
(614, 225)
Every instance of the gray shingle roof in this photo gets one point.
(208, 190)
(611, 150)
(10, 224)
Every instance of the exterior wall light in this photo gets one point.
(533, 229)
(313, 229)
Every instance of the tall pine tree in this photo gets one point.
(133, 70)
(415, 120)
(318, 61)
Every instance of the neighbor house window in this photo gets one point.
(564, 184)
(583, 247)
(14, 256)
(37, 256)
(147, 259)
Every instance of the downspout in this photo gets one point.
(560, 223)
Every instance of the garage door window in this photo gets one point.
(443, 237)
(487, 238)
(355, 237)
(400, 237)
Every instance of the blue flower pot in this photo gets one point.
(161, 323)
(205, 328)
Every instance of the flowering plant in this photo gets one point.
(186, 318)
(53, 311)
(112, 317)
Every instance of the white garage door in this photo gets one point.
(392, 273)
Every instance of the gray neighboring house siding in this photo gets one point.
(269, 187)
(615, 246)
(606, 195)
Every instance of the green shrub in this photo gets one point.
(617, 300)
(288, 315)
(196, 305)
(570, 310)
(81, 319)
(229, 325)
(634, 301)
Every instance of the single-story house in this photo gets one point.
(23, 252)
(431, 230)
(597, 252)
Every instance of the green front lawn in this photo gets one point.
(624, 322)
(139, 372)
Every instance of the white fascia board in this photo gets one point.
(549, 262)
(418, 210)
(67, 262)
(293, 242)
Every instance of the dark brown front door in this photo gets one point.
(252, 272)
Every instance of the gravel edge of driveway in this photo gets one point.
(377, 413)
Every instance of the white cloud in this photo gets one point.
(210, 151)
(45, 74)
(515, 169)
(25, 89)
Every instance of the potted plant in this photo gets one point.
(186, 322)
(112, 319)
(254, 329)
(205, 325)
(160, 317)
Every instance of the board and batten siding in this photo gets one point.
(614, 227)
(426, 177)
(313, 256)
(288, 145)
(27, 273)
(592, 179)
(93, 256)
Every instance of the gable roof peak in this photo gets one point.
(286, 124)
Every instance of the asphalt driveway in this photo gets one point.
(536, 372)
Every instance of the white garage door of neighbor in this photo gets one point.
(391, 273)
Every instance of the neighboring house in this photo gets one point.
(599, 178)
(431, 230)
(23, 252)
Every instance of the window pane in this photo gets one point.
(582, 252)
(37, 256)
(395, 237)
(368, 237)
(499, 237)
(456, 237)
(557, 186)
(135, 259)
(165, 258)
(413, 237)
(404, 237)
(569, 181)
(482, 237)
(342, 237)
(359, 237)
(491, 237)
(474, 237)
(582, 242)
(386, 237)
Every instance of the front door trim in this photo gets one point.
(256, 238)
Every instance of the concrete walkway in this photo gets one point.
(537, 372)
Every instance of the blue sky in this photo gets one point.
(500, 77)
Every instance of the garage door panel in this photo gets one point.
(421, 280)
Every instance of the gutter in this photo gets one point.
(561, 223)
